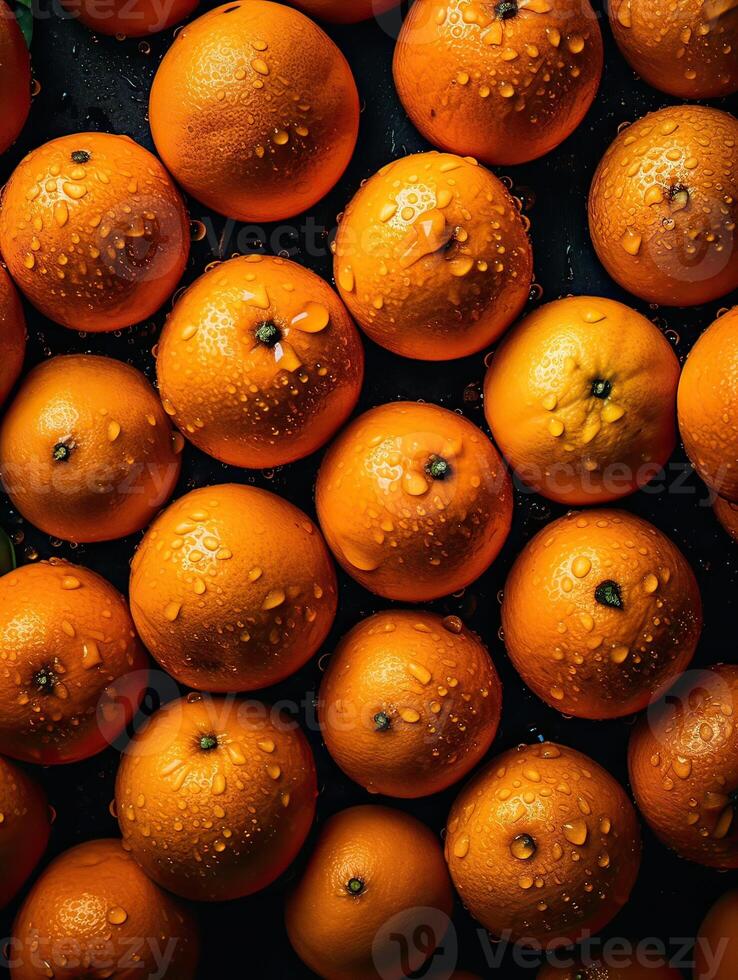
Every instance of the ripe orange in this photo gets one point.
(683, 761)
(130, 18)
(72, 670)
(25, 825)
(432, 257)
(232, 589)
(93, 231)
(503, 81)
(259, 363)
(580, 399)
(15, 78)
(12, 335)
(376, 875)
(255, 111)
(687, 49)
(716, 952)
(341, 12)
(86, 450)
(410, 703)
(601, 612)
(599, 970)
(707, 402)
(664, 205)
(94, 913)
(414, 501)
(727, 513)
(215, 796)
(543, 844)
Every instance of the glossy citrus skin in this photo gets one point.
(15, 77)
(432, 257)
(24, 829)
(598, 970)
(707, 403)
(94, 231)
(215, 796)
(255, 111)
(664, 204)
(580, 399)
(410, 702)
(685, 48)
(396, 868)
(683, 761)
(601, 611)
(130, 18)
(232, 588)
(503, 82)
(94, 913)
(87, 452)
(252, 402)
(341, 12)
(718, 938)
(414, 501)
(544, 843)
(72, 670)
(727, 513)
(12, 335)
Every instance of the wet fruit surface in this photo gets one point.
(598, 970)
(15, 77)
(25, 823)
(12, 334)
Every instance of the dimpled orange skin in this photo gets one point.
(432, 257)
(232, 589)
(727, 514)
(410, 703)
(24, 829)
(15, 77)
(340, 12)
(12, 335)
(252, 402)
(402, 888)
(597, 970)
(601, 611)
(87, 452)
(683, 762)
(97, 244)
(214, 822)
(72, 670)
(130, 18)
(503, 81)
(543, 844)
(580, 399)
(719, 933)
(663, 206)
(256, 113)
(94, 906)
(399, 530)
(687, 48)
(707, 403)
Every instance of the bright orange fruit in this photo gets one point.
(12, 335)
(15, 78)
(24, 828)
(130, 18)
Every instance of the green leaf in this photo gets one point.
(7, 554)
(24, 16)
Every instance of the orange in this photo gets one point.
(94, 913)
(73, 670)
(686, 49)
(683, 761)
(543, 845)
(580, 399)
(24, 828)
(15, 78)
(601, 611)
(86, 450)
(410, 702)
(707, 403)
(130, 18)
(259, 364)
(718, 941)
(232, 589)
(727, 513)
(599, 970)
(664, 205)
(414, 501)
(93, 231)
(503, 81)
(12, 335)
(376, 875)
(255, 111)
(341, 12)
(432, 257)
(215, 796)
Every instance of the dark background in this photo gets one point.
(90, 82)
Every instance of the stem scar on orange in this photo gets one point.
(130, 18)
(12, 335)
(15, 78)
(24, 828)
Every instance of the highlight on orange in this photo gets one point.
(26, 825)
(12, 335)
(718, 940)
(297, 118)
(432, 257)
(130, 18)
(15, 78)
(93, 231)
(259, 364)
(414, 501)
(580, 398)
